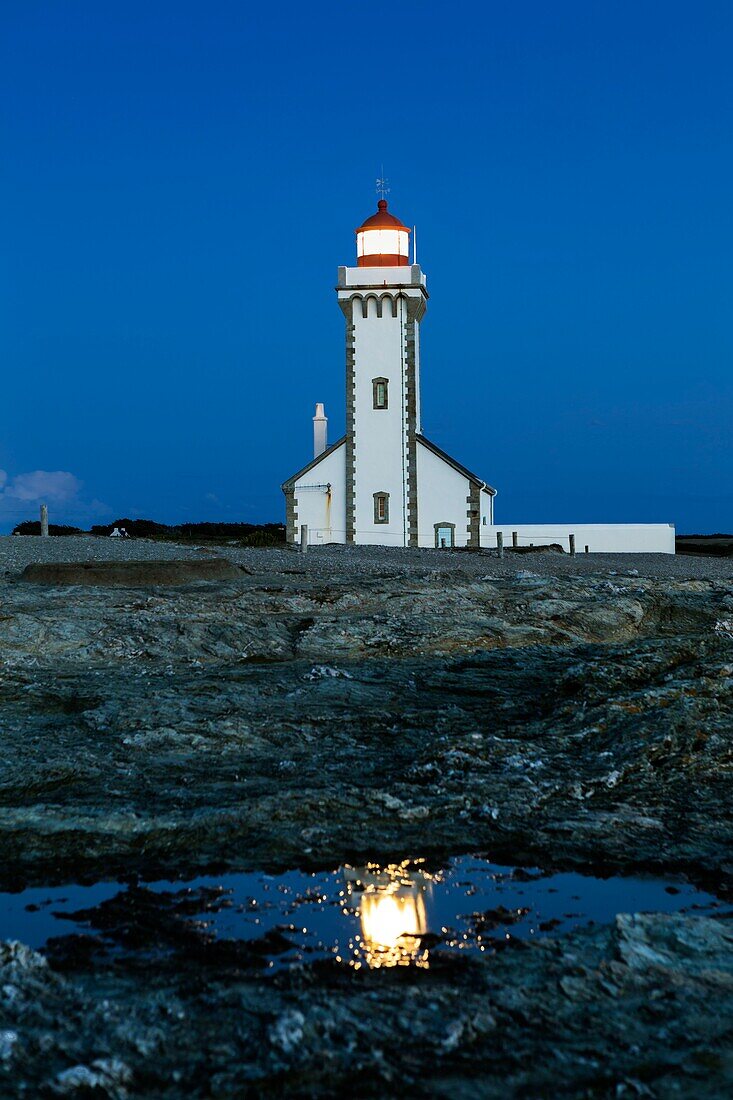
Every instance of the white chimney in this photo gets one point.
(320, 431)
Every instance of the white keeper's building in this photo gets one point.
(383, 482)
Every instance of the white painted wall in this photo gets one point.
(380, 436)
(441, 497)
(380, 441)
(601, 538)
(486, 519)
(324, 513)
(418, 407)
(407, 275)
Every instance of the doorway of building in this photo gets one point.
(445, 535)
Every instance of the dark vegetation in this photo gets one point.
(719, 546)
(240, 534)
(33, 527)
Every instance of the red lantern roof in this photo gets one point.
(382, 219)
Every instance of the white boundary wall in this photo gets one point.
(600, 538)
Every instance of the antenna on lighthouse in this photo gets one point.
(382, 184)
(414, 244)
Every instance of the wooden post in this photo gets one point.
(515, 539)
(303, 538)
(44, 520)
(572, 545)
(500, 543)
(587, 550)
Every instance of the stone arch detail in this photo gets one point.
(367, 298)
(392, 301)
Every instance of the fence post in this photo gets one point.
(303, 538)
(572, 545)
(515, 539)
(500, 543)
(44, 520)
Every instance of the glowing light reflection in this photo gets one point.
(391, 904)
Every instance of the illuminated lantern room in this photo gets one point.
(382, 241)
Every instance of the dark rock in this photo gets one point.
(646, 1001)
(331, 711)
(545, 548)
(492, 918)
(131, 574)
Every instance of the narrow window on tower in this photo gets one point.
(381, 507)
(379, 391)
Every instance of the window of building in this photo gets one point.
(381, 507)
(380, 392)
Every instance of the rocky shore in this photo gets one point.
(355, 705)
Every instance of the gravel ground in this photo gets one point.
(332, 562)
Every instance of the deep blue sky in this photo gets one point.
(179, 182)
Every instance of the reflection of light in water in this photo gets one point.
(386, 918)
(392, 912)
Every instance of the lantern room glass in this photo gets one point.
(382, 242)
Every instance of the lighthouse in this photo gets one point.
(384, 483)
(383, 301)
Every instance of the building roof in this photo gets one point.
(382, 219)
(314, 462)
(456, 465)
(420, 438)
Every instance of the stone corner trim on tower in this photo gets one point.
(347, 308)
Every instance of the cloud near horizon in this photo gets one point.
(58, 486)
(60, 489)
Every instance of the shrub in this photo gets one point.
(248, 534)
(33, 527)
(141, 528)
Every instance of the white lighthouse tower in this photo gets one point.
(383, 300)
(383, 482)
